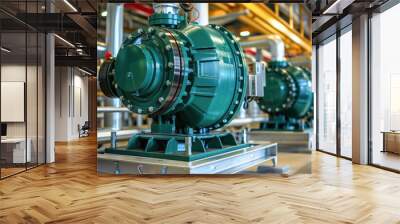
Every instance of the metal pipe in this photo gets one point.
(109, 109)
(114, 38)
(166, 8)
(273, 42)
(202, 9)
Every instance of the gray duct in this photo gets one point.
(273, 43)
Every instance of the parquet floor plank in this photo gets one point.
(70, 191)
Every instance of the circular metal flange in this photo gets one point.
(178, 68)
(241, 80)
(106, 79)
(171, 70)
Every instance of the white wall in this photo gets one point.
(12, 73)
(71, 102)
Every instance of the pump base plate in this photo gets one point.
(230, 162)
(288, 141)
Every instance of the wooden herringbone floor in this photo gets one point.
(70, 191)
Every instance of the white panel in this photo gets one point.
(12, 101)
(394, 102)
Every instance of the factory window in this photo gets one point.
(22, 88)
(327, 96)
(385, 89)
(346, 93)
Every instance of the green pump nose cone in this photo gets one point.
(277, 90)
(134, 68)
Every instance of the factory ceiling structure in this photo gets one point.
(249, 22)
(328, 16)
(73, 23)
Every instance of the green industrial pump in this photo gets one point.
(288, 97)
(190, 79)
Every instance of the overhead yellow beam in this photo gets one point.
(260, 24)
(261, 12)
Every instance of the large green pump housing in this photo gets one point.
(288, 97)
(190, 79)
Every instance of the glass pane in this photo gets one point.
(386, 89)
(13, 87)
(327, 97)
(346, 93)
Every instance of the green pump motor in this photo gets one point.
(190, 79)
(288, 97)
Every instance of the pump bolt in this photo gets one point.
(151, 109)
(139, 111)
(161, 99)
(168, 47)
(168, 83)
(170, 65)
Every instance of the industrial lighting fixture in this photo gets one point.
(5, 50)
(84, 71)
(65, 41)
(104, 13)
(70, 5)
(245, 33)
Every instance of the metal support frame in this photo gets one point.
(231, 162)
(317, 97)
(360, 90)
(338, 98)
